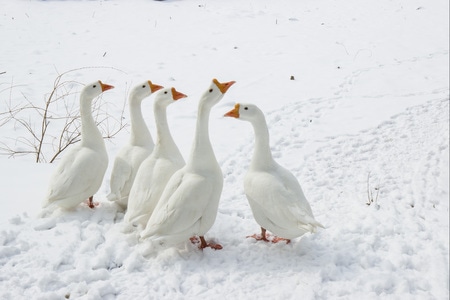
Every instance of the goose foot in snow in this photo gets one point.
(258, 237)
(194, 240)
(277, 239)
(267, 237)
(91, 202)
(203, 244)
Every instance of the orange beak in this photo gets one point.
(223, 87)
(105, 86)
(154, 87)
(177, 95)
(234, 112)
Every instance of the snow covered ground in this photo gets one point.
(369, 103)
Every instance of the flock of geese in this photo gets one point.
(167, 199)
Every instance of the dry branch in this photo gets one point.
(55, 131)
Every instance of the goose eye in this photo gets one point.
(246, 108)
(94, 86)
(143, 86)
(165, 92)
(210, 90)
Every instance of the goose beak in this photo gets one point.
(234, 112)
(154, 87)
(177, 95)
(223, 87)
(105, 86)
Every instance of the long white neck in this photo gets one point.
(164, 138)
(262, 155)
(202, 154)
(90, 134)
(140, 135)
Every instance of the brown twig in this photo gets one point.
(37, 141)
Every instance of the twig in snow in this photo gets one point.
(370, 197)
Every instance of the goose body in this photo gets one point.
(156, 169)
(139, 147)
(188, 205)
(276, 199)
(80, 172)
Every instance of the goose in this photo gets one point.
(139, 147)
(189, 203)
(80, 172)
(156, 169)
(274, 193)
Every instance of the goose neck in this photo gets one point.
(140, 135)
(164, 137)
(262, 155)
(202, 154)
(90, 134)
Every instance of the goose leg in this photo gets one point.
(204, 244)
(261, 237)
(91, 202)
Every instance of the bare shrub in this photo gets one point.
(52, 127)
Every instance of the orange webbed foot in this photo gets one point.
(266, 237)
(202, 244)
(277, 239)
(258, 237)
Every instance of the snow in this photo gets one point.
(369, 103)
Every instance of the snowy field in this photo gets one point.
(368, 103)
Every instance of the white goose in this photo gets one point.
(156, 169)
(138, 148)
(189, 203)
(80, 172)
(274, 194)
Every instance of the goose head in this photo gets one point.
(167, 96)
(245, 112)
(94, 89)
(215, 92)
(143, 90)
